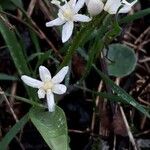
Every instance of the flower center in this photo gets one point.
(48, 85)
(68, 14)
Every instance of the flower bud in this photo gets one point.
(94, 7)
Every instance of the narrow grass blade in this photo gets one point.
(135, 16)
(16, 52)
(123, 94)
(13, 131)
(7, 77)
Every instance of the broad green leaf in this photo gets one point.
(13, 131)
(123, 94)
(121, 60)
(52, 126)
(7, 77)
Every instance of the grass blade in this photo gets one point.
(16, 52)
(13, 131)
(123, 94)
(135, 16)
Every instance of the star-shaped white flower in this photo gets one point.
(112, 6)
(48, 85)
(67, 15)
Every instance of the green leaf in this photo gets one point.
(81, 37)
(16, 51)
(7, 77)
(18, 2)
(121, 60)
(135, 16)
(25, 100)
(52, 126)
(123, 94)
(8, 5)
(35, 41)
(13, 131)
(15, 48)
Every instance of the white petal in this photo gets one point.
(45, 75)
(126, 6)
(59, 77)
(31, 81)
(67, 31)
(79, 5)
(72, 3)
(50, 101)
(41, 93)
(95, 7)
(127, 3)
(112, 6)
(81, 18)
(55, 22)
(59, 89)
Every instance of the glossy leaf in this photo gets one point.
(52, 126)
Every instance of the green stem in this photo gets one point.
(80, 37)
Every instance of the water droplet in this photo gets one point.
(133, 103)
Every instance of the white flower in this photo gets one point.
(48, 85)
(112, 6)
(95, 7)
(67, 15)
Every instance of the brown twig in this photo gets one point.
(94, 113)
(131, 137)
(31, 7)
(9, 105)
(142, 35)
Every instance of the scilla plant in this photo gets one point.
(90, 31)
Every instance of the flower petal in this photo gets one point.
(72, 3)
(81, 18)
(67, 31)
(55, 22)
(59, 89)
(31, 81)
(79, 5)
(112, 6)
(94, 7)
(50, 101)
(41, 93)
(59, 77)
(126, 6)
(45, 74)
